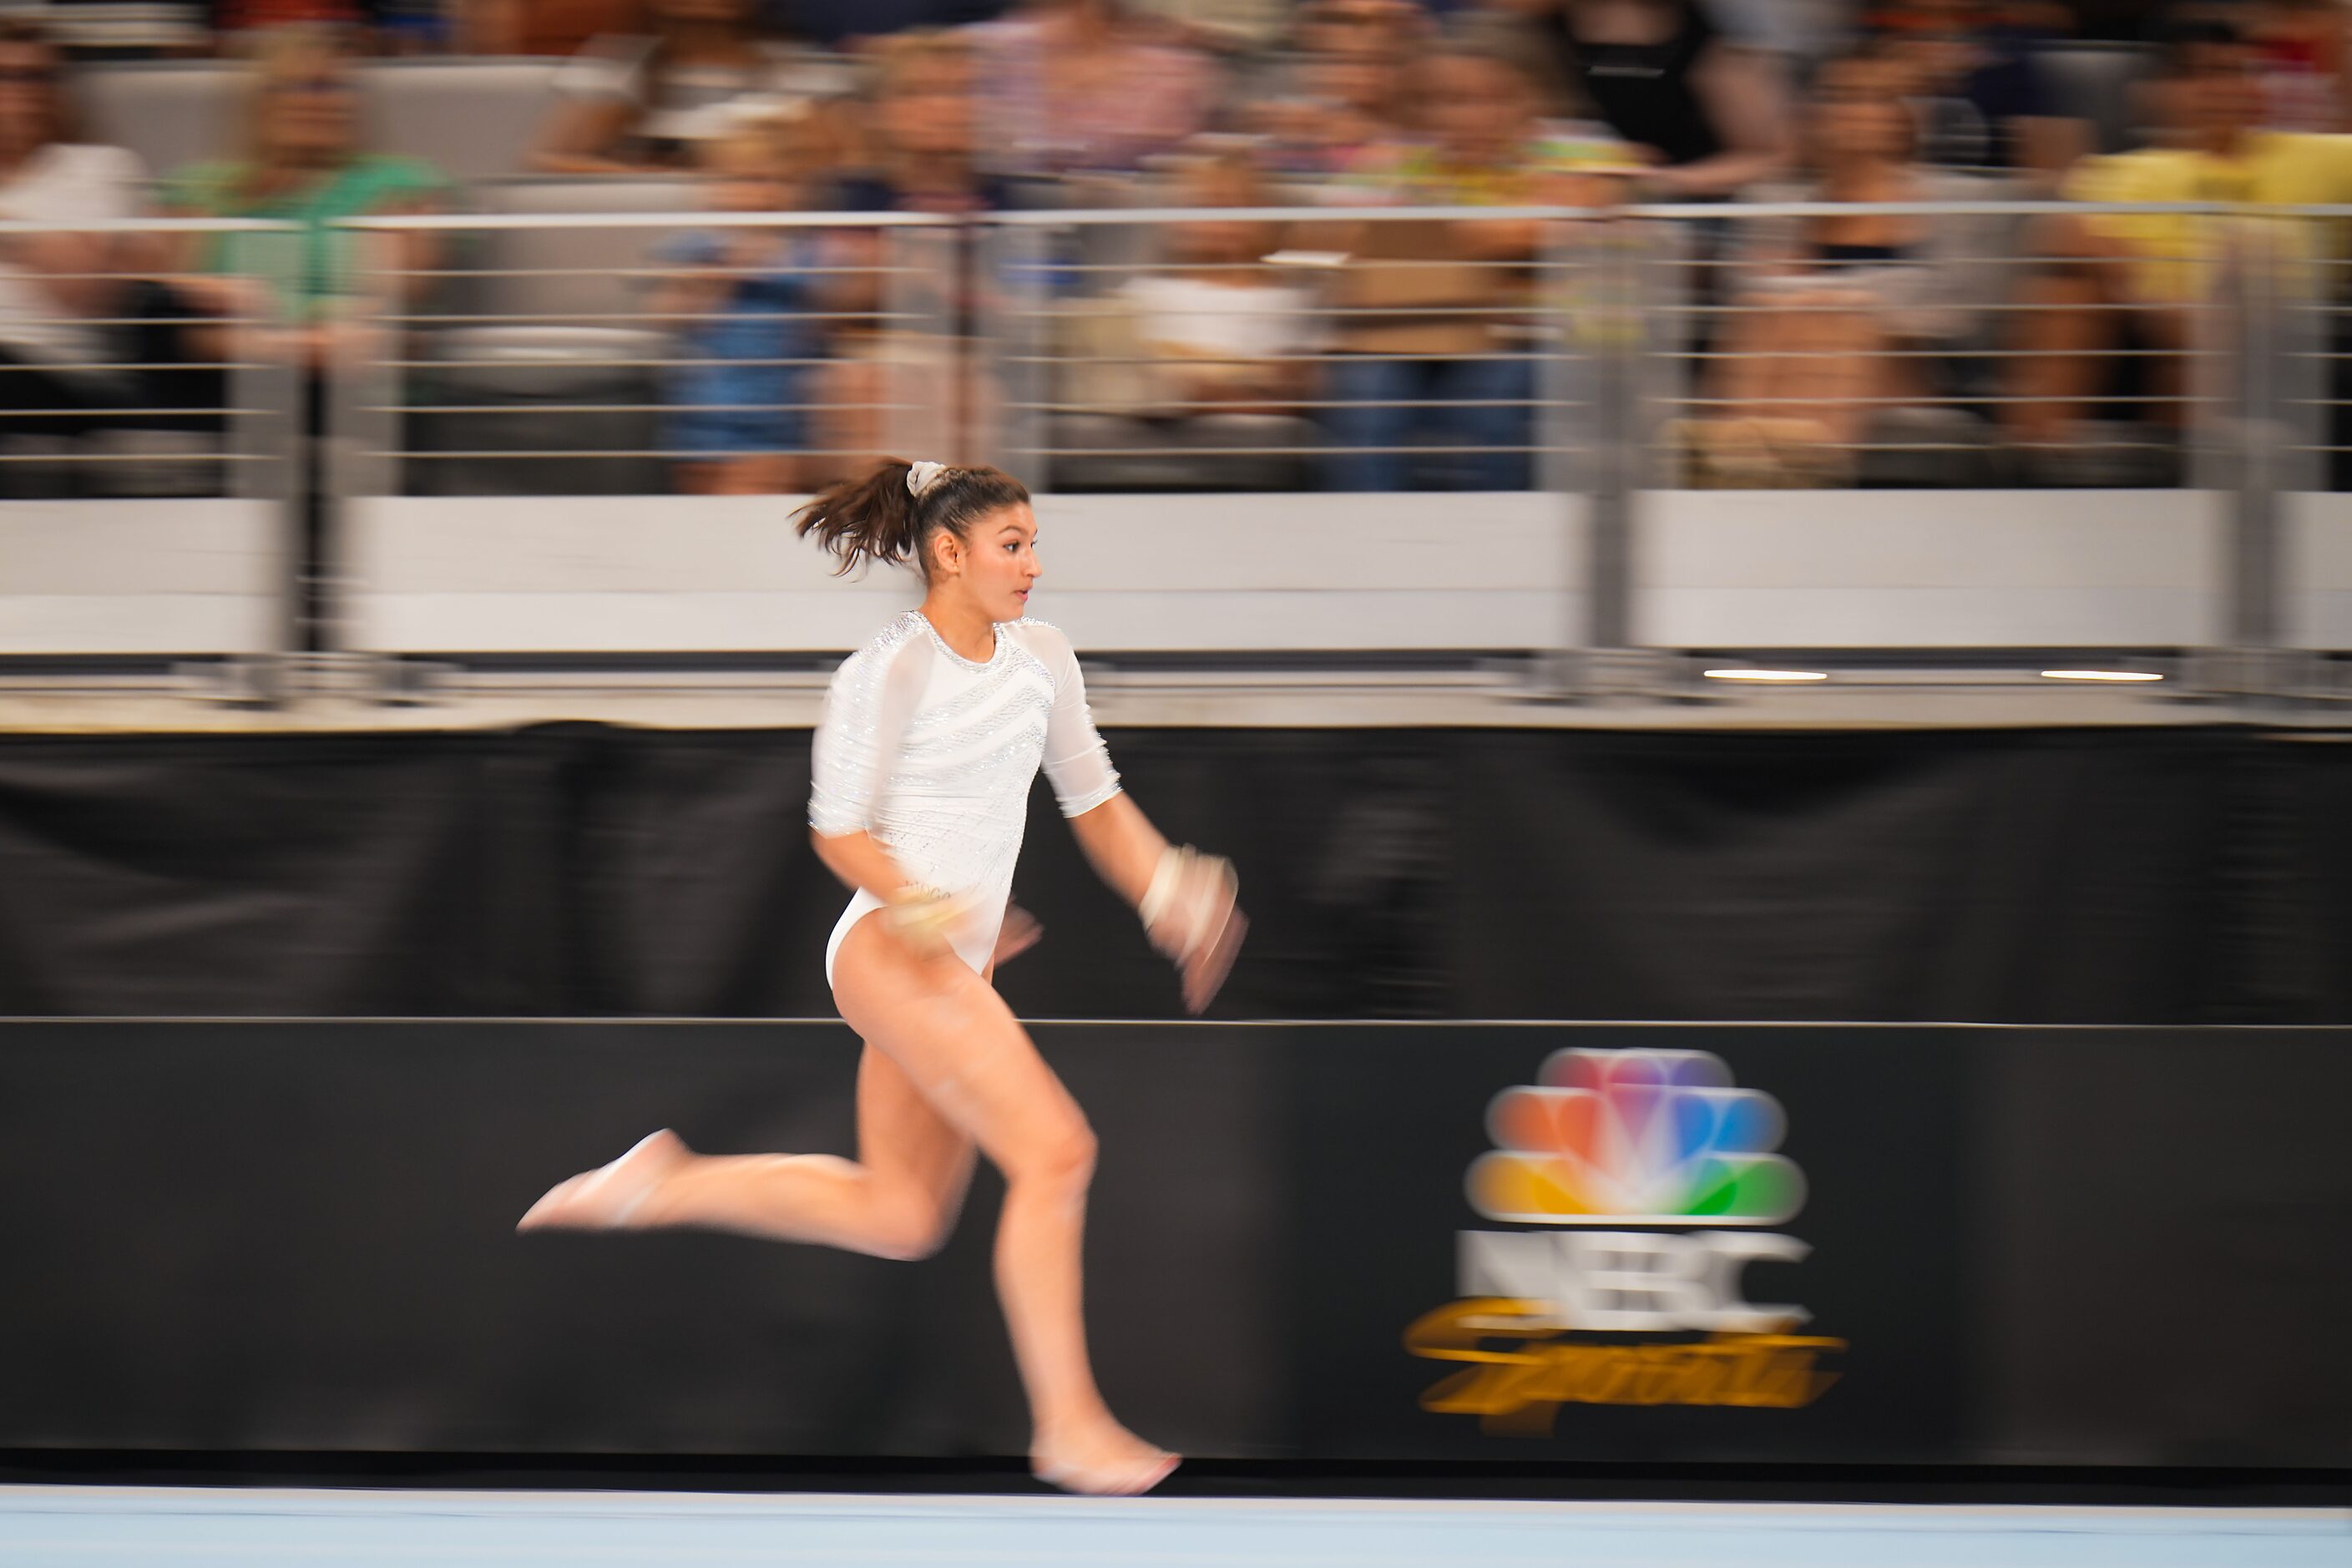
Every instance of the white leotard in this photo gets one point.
(934, 754)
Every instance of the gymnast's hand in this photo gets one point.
(1193, 913)
(926, 922)
(1017, 935)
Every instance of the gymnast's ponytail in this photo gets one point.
(891, 514)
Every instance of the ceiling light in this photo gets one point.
(1764, 675)
(2100, 675)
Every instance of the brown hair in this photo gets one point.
(780, 142)
(1883, 88)
(900, 55)
(879, 519)
(1222, 158)
(897, 60)
(16, 32)
(1505, 42)
(281, 54)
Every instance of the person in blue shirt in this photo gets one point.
(742, 305)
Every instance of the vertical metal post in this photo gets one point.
(1612, 328)
(1013, 279)
(1563, 418)
(1616, 332)
(2254, 557)
(2252, 621)
(2308, 316)
(263, 444)
(922, 358)
(360, 432)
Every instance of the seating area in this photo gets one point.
(540, 341)
(472, 119)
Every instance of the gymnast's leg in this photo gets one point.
(898, 1198)
(962, 1046)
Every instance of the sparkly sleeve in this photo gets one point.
(1076, 761)
(865, 711)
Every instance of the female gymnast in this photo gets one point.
(932, 737)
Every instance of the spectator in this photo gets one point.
(743, 299)
(635, 103)
(1711, 115)
(301, 296)
(303, 165)
(1809, 359)
(74, 315)
(1979, 89)
(921, 149)
(1075, 86)
(1428, 352)
(920, 157)
(1346, 91)
(1221, 335)
(1193, 372)
(2133, 279)
(2301, 48)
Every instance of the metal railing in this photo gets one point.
(1077, 323)
(119, 378)
(1925, 358)
(1346, 350)
(1608, 361)
(150, 446)
(515, 358)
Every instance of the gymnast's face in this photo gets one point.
(996, 561)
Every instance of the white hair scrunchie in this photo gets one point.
(922, 476)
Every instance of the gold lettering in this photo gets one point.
(1520, 1387)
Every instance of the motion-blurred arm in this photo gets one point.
(1187, 901)
(1121, 845)
(865, 717)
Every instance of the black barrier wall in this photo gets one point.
(2158, 877)
(1340, 1242)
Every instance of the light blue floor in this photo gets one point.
(140, 1528)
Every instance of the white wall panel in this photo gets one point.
(1122, 573)
(1177, 572)
(2318, 571)
(163, 576)
(1928, 568)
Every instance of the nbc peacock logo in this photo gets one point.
(1636, 1137)
(1573, 1312)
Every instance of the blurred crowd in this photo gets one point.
(1345, 348)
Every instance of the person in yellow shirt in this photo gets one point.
(2136, 280)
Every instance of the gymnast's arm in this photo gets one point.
(866, 714)
(858, 858)
(1121, 843)
(1186, 899)
(1122, 846)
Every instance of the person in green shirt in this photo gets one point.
(303, 163)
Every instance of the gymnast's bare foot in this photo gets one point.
(1101, 1459)
(612, 1196)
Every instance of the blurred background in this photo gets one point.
(1590, 256)
(1400, 386)
(1762, 516)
